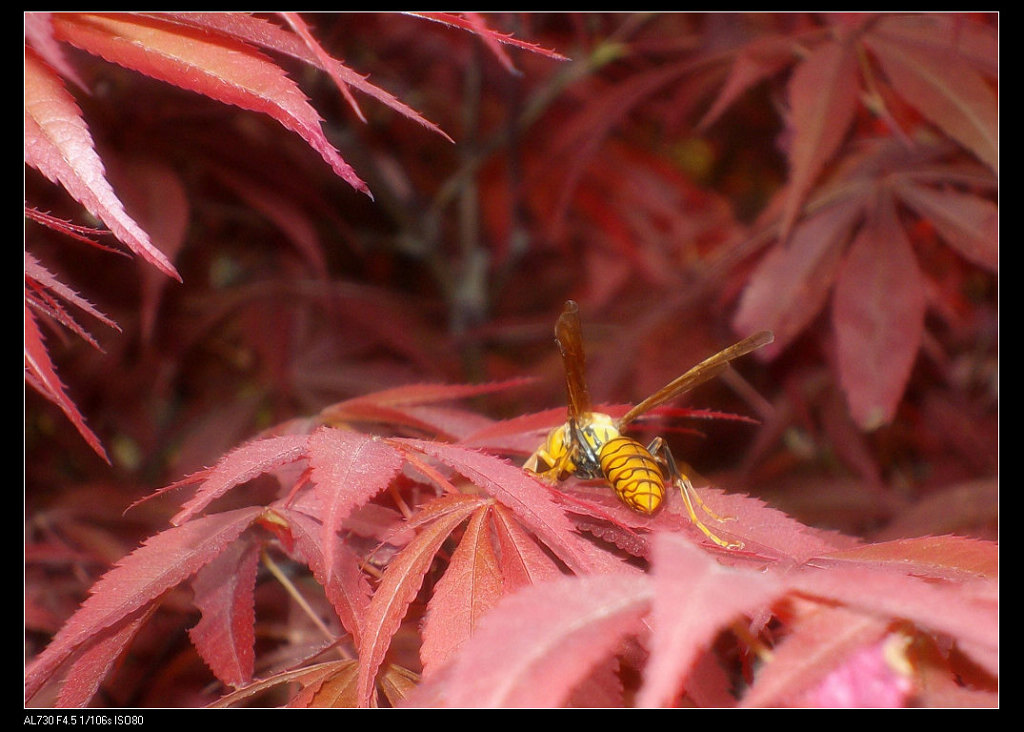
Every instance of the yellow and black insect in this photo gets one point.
(591, 444)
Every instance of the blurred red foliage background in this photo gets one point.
(688, 178)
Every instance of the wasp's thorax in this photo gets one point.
(581, 455)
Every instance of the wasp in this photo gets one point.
(592, 444)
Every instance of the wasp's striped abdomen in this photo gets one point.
(634, 473)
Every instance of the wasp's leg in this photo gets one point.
(558, 467)
(690, 496)
(533, 462)
(660, 449)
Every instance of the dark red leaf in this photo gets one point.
(162, 562)
(39, 372)
(225, 634)
(43, 278)
(823, 99)
(950, 93)
(155, 196)
(754, 62)
(345, 585)
(92, 665)
(792, 283)
(85, 234)
(878, 315)
(294, 222)
(968, 223)
(421, 394)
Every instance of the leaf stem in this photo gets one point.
(292, 590)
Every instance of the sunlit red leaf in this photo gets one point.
(538, 644)
(530, 502)
(160, 563)
(472, 22)
(469, 588)
(241, 465)
(376, 521)
(412, 406)
(449, 422)
(308, 677)
(396, 683)
(967, 611)
(335, 689)
(216, 66)
(323, 58)
(523, 561)
(476, 22)
(58, 145)
(344, 584)
(333, 685)
(941, 557)
(440, 422)
(694, 599)
(875, 676)
(878, 316)
(397, 588)
(764, 531)
(819, 641)
(260, 32)
(521, 434)
(39, 34)
(347, 469)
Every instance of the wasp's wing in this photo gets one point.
(707, 369)
(570, 342)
